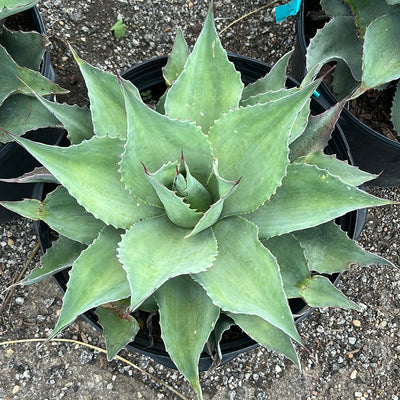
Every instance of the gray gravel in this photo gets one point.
(346, 354)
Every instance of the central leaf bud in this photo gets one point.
(187, 202)
(179, 185)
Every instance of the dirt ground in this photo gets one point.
(346, 354)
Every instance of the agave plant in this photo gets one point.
(362, 38)
(21, 54)
(11, 7)
(215, 209)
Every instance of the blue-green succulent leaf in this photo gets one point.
(273, 81)
(119, 328)
(364, 12)
(74, 222)
(292, 262)
(76, 120)
(381, 63)
(195, 193)
(96, 278)
(177, 210)
(207, 71)
(20, 113)
(252, 282)
(267, 335)
(337, 40)
(89, 171)
(61, 255)
(26, 48)
(346, 172)
(335, 8)
(106, 101)
(311, 200)
(13, 76)
(317, 133)
(155, 250)
(185, 332)
(154, 140)
(224, 189)
(177, 59)
(318, 291)
(265, 129)
(328, 249)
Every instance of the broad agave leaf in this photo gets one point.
(155, 139)
(76, 120)
(39, 174)
(90, 284)
(267, 335)
(221, 209)
(75, 222)
(326, 198)
(238, 153)
(381, 64)
(155, 250)
(26, 48)
(20, 114)
(335, 8)
(362, 38)
(366, 11)
(94, 161)
(315, 290)
(273, 81)
(177, 59)
(11, 7)
(256, 291)
(328, 249)
(188, 316)
(189, 98)
(60, 256)
(108, 112)
(346, 172)
(119, 327)
(317, 133)
(327, 45)
(12, 77)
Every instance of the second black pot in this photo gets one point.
(148, 76)
(372, 151)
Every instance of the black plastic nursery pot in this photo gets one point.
(14, 160)
(371, 151)
(148, 76)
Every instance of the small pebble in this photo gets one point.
(352, 340)
(19, 300)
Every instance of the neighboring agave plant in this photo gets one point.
(362, 38)
(11, 7)
(21, 54)
(215, 212)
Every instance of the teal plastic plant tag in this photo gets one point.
(286, 10)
